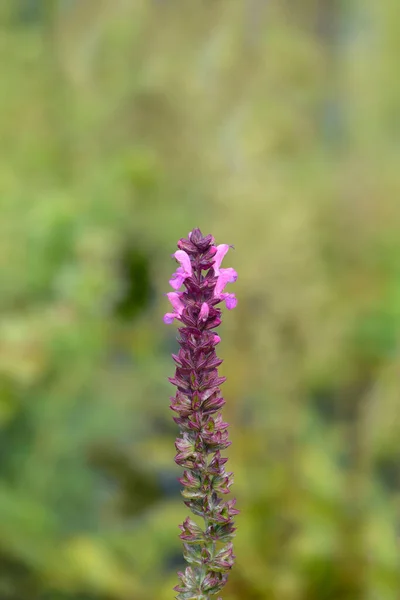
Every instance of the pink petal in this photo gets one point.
(204, 311)
(176, 302)
(184, 260)
(217, 339)
(177, 279)
(222, 249)
(225, 276)
(169, 318)
(230, 300)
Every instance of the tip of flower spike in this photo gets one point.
(195, 235)
(199, 241)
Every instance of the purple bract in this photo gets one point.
(198, 400)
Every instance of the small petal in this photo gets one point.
(169, 318)
(204, 311)
(222, 249)
(184, 260)
(230, 300)
(176, 302)
(216, 339)
(225, 276)
(177, 278)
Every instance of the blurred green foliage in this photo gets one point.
(275, 126)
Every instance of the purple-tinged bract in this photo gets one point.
(197, 402)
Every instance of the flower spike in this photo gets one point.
(197, 403)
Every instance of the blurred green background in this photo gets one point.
(274, 125)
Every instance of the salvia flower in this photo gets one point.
(197, 403)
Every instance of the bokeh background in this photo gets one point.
(274, 125)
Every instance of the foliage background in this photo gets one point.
(275, 126)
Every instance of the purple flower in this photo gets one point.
(177, 305)
(197, 404)
(221, 250)
(230, 300)
(224, 276)
(182, 272)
